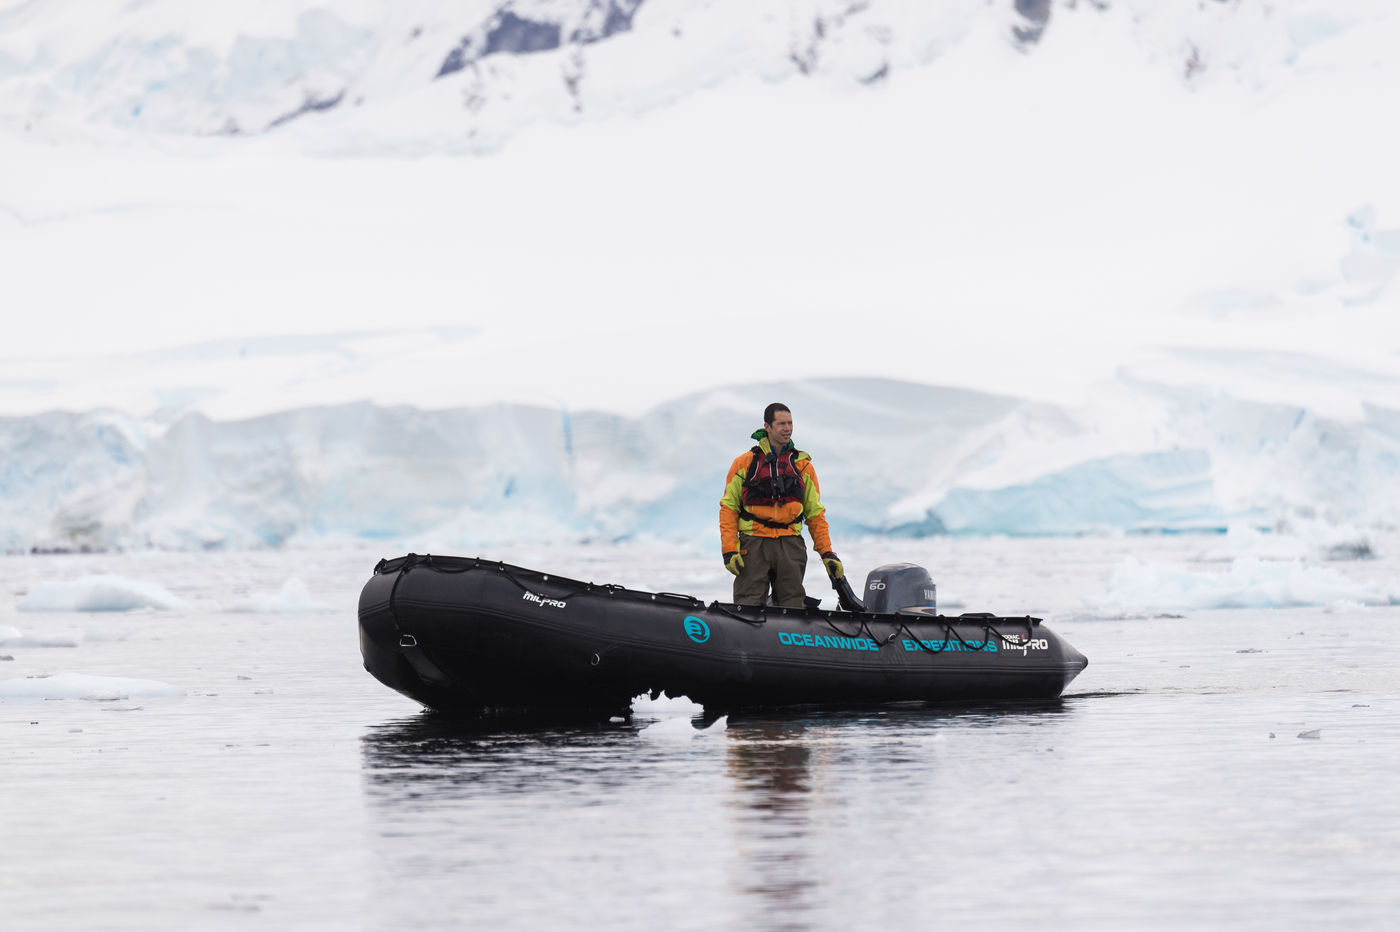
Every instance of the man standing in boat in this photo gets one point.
(769, 492)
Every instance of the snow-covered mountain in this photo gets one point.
(470, 73)
(292, 271)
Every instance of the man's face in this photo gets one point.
(780, 431)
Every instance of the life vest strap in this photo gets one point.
(750, 516)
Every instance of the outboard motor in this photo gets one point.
(901, 587)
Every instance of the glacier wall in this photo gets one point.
(894, 458)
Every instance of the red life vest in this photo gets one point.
(772, 479)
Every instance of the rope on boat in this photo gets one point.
(719, 609)
(393, 605)
(945, 640)
(863, 625)
(988, 629)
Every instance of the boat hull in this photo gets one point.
(470, 636)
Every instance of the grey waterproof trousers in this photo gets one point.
(779, 562)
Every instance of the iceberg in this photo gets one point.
(86, 686)
(1248, 583)
(293, 597)
(12, 637)
(97, 593)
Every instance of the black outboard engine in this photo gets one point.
(901, 587)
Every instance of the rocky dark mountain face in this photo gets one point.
(506, 31)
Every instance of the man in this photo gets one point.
(769, 492)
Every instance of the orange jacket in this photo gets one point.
(790, 514)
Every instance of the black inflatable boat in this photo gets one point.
(471, 636)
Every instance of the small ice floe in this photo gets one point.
(1293, 538)
(676, 717)
(682, 729)
(1243, 540)
(99, 593)
(13, 637)
(664, 705)
(292, 598)
(86, 686)
(1313, 735)
(1249, 583)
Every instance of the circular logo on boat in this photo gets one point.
(696, 629)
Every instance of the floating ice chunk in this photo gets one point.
(34, 640)
(1294, 539)
(682, 729)
(1242, 540)
(11, 636)
(1374, 258)
(1249, 583)
(665, 705)
(100, 593)
(292, 597)
(85, 686)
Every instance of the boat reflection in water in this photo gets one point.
(689, 822)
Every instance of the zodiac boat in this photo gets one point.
(471, 636)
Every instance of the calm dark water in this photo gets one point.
(1227, 769)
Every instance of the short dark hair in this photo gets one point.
(772, 410)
